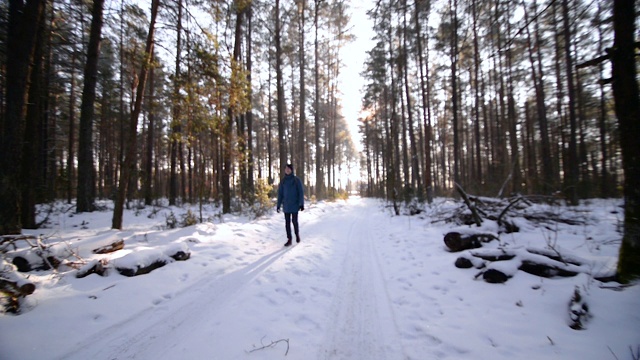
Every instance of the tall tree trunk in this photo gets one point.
(130, 156)
(72, 130)
(394, 147)
(303, 98)
(21, 41)
(541, 112)
(602, 123)
(280, 105)
(572, 177)
(176, 128)
(512, 120)
(476, 91)
(31, 144)
(320, 192)
(426, 109)
(249, 113)
(86, 170)
(231, 113)
(148, 173)
(627, 105)
(454, 92)
(415, 163)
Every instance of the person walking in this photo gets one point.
(291, 199)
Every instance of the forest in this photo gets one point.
(206, 101)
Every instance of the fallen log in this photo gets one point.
(92, 267)
(16, 288)
(497, 255)
(463, 263)
(538, 262)
(12, 289)
(474, 212)
(545, 270)
(141, 270)
(458, 242)
(31, 262)
(494, 276)
(144, 262)
(113, 247)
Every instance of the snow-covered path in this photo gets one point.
(363, 321)
(362, 284)
(329, 288)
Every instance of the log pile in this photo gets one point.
(499, 265)
(23, 254)
(475, 210)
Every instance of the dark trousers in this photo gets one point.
(288, 217)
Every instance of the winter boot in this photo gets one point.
(288, 243)
(297, 238)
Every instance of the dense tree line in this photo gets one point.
(199, 101)
(503, 98)
(487, 94)
(186, 100)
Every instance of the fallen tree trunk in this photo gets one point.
(93, 267)
(30, 262)
(458, 242)
(113, 247)
(135, 264)
(539, 262)
(16, 288)
(13, 288)
(141, 270)
(477, 219)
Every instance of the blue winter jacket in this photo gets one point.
(290, 194)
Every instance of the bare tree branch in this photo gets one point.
(270, 345)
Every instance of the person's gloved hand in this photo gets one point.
(278, 210)
(301, 207)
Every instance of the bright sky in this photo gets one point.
(353, 57)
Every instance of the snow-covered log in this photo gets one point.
(495, 276)
(456, 241)
(16, 285)
(145, 261)
(92, 267)
(35, 260)
(13, 287)
(503, 264)
(113, 247)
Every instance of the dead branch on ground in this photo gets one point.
(272, 344)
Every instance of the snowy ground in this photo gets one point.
(362, 284)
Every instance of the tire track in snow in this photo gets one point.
(159, 329)
(363, 324)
